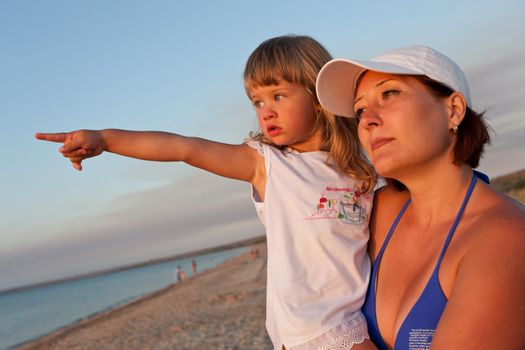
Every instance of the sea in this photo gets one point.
(28, 314)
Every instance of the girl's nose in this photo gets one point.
(267, 116)
(268, 113)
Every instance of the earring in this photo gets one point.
(455, 129)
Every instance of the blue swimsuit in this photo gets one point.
(418, 328)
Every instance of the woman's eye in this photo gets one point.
(389, 93)
(359, 113)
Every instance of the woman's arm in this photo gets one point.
(486, 307)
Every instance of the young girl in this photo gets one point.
(311, 185)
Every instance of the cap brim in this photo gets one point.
(336, 82)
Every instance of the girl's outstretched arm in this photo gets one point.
(234, 161)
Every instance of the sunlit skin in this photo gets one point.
(287, 115)
(401, 124)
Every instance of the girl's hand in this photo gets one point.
(78, 145)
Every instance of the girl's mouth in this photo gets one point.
(273, 130)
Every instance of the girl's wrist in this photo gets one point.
(104, 139)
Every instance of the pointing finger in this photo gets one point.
(53, 137)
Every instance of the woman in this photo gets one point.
(448, 250)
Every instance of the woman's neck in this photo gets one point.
(436, 193)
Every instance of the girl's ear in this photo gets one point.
(457, 107)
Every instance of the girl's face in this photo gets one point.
(402, 126)
(287, 115)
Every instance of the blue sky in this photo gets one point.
(177, 66)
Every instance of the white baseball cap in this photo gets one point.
(336, 82)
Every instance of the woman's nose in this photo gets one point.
(370, 117)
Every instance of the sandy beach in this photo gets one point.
(221, 308)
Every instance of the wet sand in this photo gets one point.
(221, 308)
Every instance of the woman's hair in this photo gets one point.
(298, 59)
(473, 132)
(471, 136)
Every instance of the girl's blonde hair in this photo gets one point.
(297, 60)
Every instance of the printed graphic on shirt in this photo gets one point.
(348, 204)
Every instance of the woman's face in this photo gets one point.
(402, 126)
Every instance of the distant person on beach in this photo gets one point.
(448, 250)
(193, 267)
(312, 187)
(178, 274)
(254, 253)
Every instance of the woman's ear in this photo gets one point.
(457, 107)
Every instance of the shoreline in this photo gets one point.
(204, 251)
(219, 308)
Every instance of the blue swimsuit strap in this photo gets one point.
(392, 229)
(456, 221)
(452, 229)
(375, 334)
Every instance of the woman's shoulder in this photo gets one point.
(494, 226)
(495, 213)
(486, 265)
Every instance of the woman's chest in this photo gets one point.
(412, 267)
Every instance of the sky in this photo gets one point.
(177, 66)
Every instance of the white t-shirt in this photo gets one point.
(316, 221)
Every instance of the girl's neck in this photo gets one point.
(303, 149)
(311, 144)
